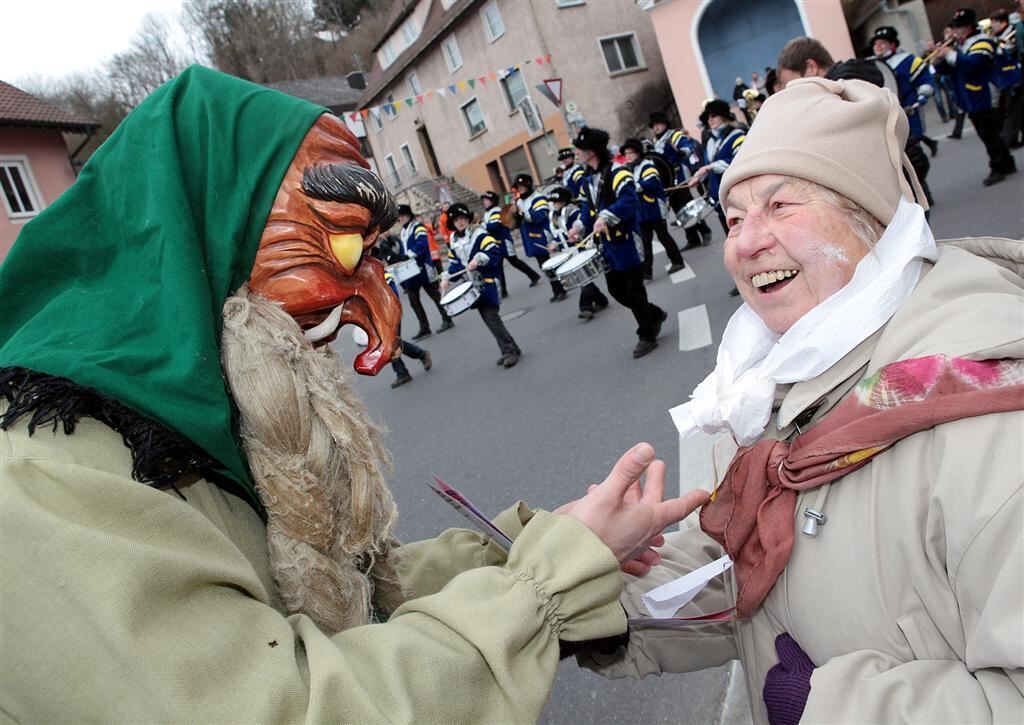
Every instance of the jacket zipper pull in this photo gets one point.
(815, 519)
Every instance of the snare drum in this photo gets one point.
(581, 269)
(554, 262)
(460, 298)
(404, 271)
(696, 211)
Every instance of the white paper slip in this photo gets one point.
(667, 599)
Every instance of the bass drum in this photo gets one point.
(665, 171)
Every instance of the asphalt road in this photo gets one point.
(542, 430)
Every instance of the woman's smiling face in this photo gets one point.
(788, 247)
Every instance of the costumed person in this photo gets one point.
(720, 150)
(497, 229)
(868, 408)
(684, 154)
(972, 63)
(532, 212)
(475, 256)
(915, 85)
(416, 245)
(409, 349)
(653, 207)
(564, 214)
(609, 212)
(195, 523)
(570, 172)
(754, 101)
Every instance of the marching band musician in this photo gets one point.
(476, 254)
(408, 349)
(915, 85)
(564, 214)
(653, 205)
(1008, 79)
(535, 227)
(573, 171)
(724, 142)
(416, 245)
(497, 229)
(609, 211)
(971, 62)
(685, 154)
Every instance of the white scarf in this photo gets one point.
(752, 359)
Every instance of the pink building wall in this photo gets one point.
(678, 20)
(48, 166)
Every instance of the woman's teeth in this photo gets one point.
(766, 278)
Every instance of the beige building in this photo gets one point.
(492, 53)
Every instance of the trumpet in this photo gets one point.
(940, 49)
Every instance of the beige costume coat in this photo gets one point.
(910, 601)
(122, 603)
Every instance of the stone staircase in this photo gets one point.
(424, 196)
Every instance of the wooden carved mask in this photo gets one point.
(313, 256)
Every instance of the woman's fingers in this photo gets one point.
(629, 468)
(654, 483)
(676, 509)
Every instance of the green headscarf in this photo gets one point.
(119, 284)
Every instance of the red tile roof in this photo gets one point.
(18, 108)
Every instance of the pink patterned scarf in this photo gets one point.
(751, 514)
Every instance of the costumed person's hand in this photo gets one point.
(698, 176)
(444, 285)
(629, 517)
(574, 235)
(600, 226)
(472, 265)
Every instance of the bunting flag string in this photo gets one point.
(393, 107)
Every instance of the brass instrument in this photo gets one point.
(940, 49)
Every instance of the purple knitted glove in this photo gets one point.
(787, 684)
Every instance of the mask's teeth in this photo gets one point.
(327, 327)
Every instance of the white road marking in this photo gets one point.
(682, 275)
(694, 327)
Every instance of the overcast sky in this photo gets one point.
(51, 38)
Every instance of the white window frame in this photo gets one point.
(512, 104)
(636, 49)
(414, 84)
(410, 31)
(389, 106)
(491, 36)
(31, 188)
(569, 3)
(408, 160)
(378, 122)
(450, 42)
(394, 176)
(387, 55)
(465, 118)
(445, 4)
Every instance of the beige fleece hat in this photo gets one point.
(846, 135)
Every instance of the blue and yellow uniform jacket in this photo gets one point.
(497, 229)
(1007, 72)
(572, 179)
(720, 153)
(650, 191)
(610, 193)
(534, 229)
(416, 245)
(683, 152)
(477, 244)
(972, 68)
(915, 83)
(562, 221)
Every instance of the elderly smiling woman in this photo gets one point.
(867, 399)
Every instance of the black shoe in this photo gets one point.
(994, 178)
(598, 306)
(421, 334)
(510, 360)
(954, 136)
(693, 245)
(734, 292)
(427, 361)
(705, 234)
(401, 380)
(649, 277)
(585, 314)
(534, 281)
(446, 325)
(504, 295)
(559, 296)
(676, 267)
(500, 360)
(661, 321)
(677, 223)
(643, 347)
(933, 146)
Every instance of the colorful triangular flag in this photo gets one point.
(451, 89)
(547, 57)
(539, 59)
(441, 92)
(482, 79)
(472, 82)
(461, 85)
(529, 60)
(365, 112)
(408, 102)
(493, 76)
(419, 98)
